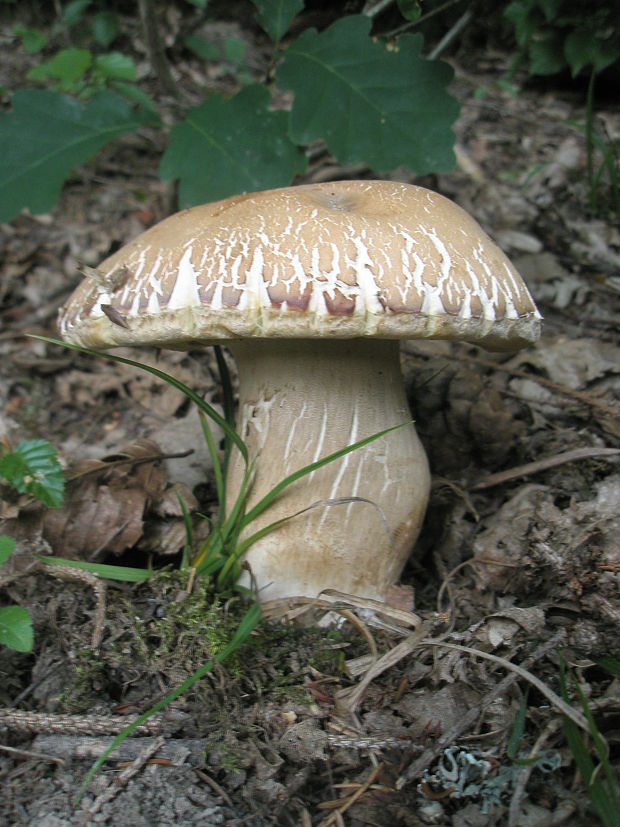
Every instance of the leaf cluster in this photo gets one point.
(369, 100)
(33, 468)
(557, 34)
(15, 622)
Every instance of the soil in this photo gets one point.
(517, 565)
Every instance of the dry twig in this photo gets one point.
(470, 717)
(19, 720)
(126, 775)
(543, 464)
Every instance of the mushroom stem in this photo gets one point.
(298, 402)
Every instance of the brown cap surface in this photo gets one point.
(343, 260)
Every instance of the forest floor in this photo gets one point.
(516, 571)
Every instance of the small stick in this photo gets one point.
(26, 753)
(469, 718)
(126, 775)
(580, 396)
(82, 747)
(214, 786)
(19, 720)
(543, 464)
(333, 818)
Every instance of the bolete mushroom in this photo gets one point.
(310, 288)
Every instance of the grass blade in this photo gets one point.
(604, 798)
(175, 383)
(220, 485)
(189, 531)
(247, 625)
(308, 469)
(125, 574)
(229, 411)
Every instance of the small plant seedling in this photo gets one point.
(33, 468)
(15, 623)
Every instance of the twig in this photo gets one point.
(20, 720)
(133, 461)
(214, 786)
(514, 813)
(451, 34)
(349, 698)
(580, 396)
(155, 50)
(82, 747)
(99, 588)
(470, 717)
(333, 817)
(26, 753)
(543, 464)
(128, 773)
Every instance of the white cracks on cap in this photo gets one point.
(185, 290)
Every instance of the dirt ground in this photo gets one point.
(516, 570)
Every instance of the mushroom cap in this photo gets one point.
(345, 259)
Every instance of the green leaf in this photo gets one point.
(546, 57)
(201, 47)
(46, 135)
(276, 16)
(115, 65)
(16, 628)
(67, 66)
(234, 49)
(32, 40)
(105, 28)
(370, 105)
(134, 94)
(514, 742)
(33, 468)
(7, 544)
(518, 13)
(582, 48)
(74, 12)
(550, 8)
(610, 664)
(229, 146)
(410, 9)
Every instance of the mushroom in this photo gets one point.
(311, 288)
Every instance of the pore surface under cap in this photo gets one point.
(345, 259)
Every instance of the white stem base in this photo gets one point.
(299, 402)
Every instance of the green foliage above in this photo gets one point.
(231, 146)
(61, 133)
(370, 102)
(33, 468)
(82, 73)
(15, 623)
(383, 108)
(33, 40)
(275, 16)
(555, 34)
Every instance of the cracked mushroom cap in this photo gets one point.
(346, 259)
